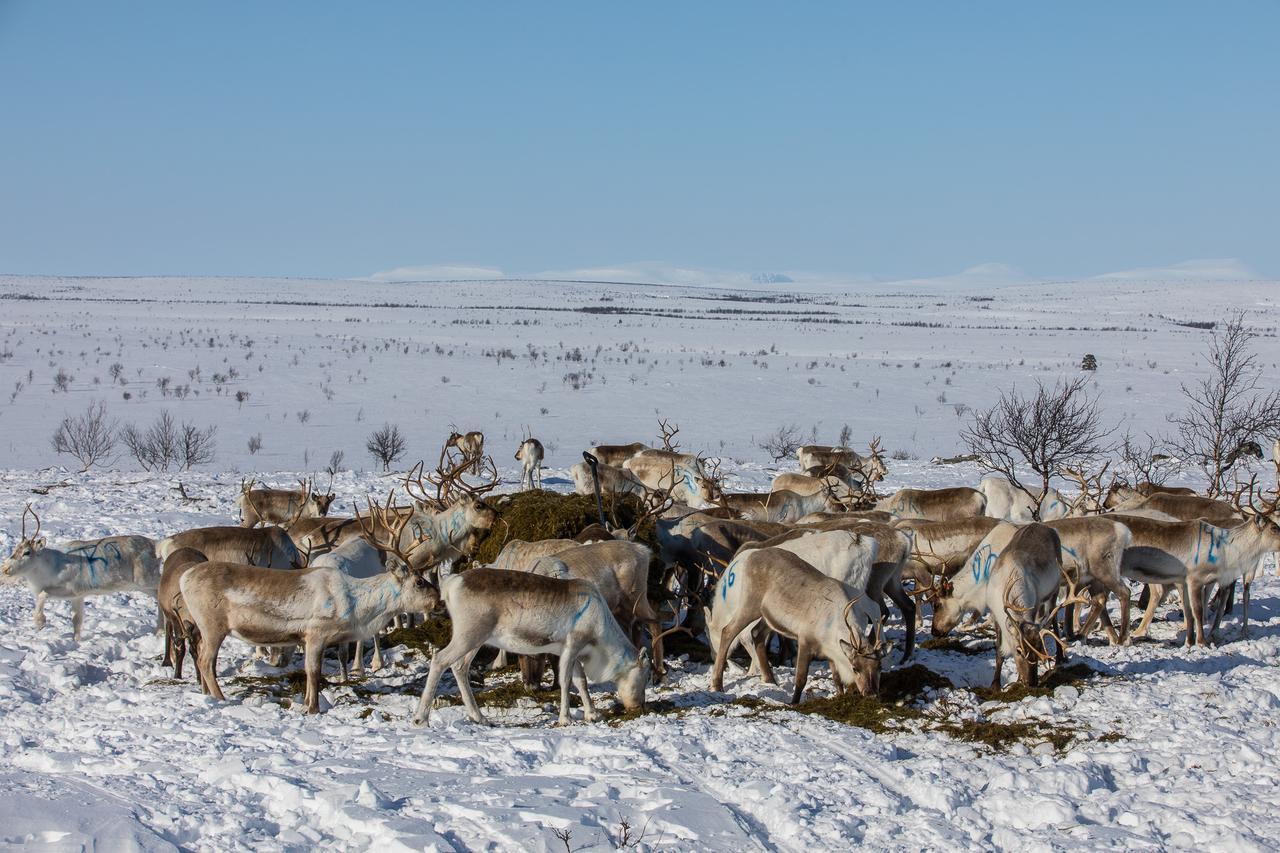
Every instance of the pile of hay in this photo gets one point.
(536, 515)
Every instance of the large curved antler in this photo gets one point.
(30, 510)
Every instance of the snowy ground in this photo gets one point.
(98, 747)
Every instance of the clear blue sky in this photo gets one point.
(895, 139)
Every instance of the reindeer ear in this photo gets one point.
(37, 543)
(848, 649)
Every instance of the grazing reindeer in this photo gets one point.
(92, 567)
(787, 595)
(312, 607)
(1011, 582)
(780, 507)
(679, 474)
(870, 468)
(935, 504)
(470, 445)
(895, 546)
(835, 480)
(530, 455)
(269, 547)
(942, 547)
(1092, 552)
(620, 571)
(616, 454)
(179, 630)
(281, 506)
(530, 614)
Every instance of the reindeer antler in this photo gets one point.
(302, 502)
(30, 510)
(383, 517)
(668, 432)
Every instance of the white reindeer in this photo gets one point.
(530, 614)
(530, 455)
(84, 568)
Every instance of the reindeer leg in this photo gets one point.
(727, 635)
(1196, 595)
(313, 655)
(462, 674)
(442, 660)
(376, 663)
(207, 661)
(568, 663)
(760, 652)
(179, 649)
(1154, 594)
(37, 617)
(803, 655)
(499, 661)
(589, 714)
(995, 682)
(77, 618)
(907, 605)
(357, 663)
(1244, 612)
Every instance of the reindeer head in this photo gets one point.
(417, 593)
(865, 653)
(633, 680)
(873, 467)
(947, 611)
(28, 548)
(322, 503)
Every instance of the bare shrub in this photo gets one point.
(255, 444)
(386, 445)
(1226, 411)
(1142, 459)
(846, 436)
(335, 463)
(89, 437)
(1055, 428)
(62, 380)
(166, 444)
(241, 397)
(782, 443)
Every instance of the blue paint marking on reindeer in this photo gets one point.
(981, 563)
(586, 602)
(1072, 552)
(729, 578)
(1217, 539)
(98, 552)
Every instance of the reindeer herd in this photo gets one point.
(814, 561)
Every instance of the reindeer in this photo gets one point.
(781, 507)
(835, 480)
(446, 526)
(84, 568)
(269, 547)
(894, 547)
(179, 630)
(1193, 554)
(1120, 494)
(1007, 502)
(312, 607)
(530, 454)
(530, 614)
(942, 548)
(935, 504)
(315, 536)
(818, 518)
(613, 480)
(281, 506)
(679, 474)
(616, 454)
(620, 571)
(1093, 549)
(785, 594)
(870, 468)
(470, 445)
(1012, 582)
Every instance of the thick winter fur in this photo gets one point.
(531, 615)
(1009, 503)
(1092, 551)
(787, 595)
(312, 607)
(530, 455)
(269, 547)
(935, 504)
(83, 568)
(281, 506)
(780, 507)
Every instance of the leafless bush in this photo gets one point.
(386, 445)
(197, 446)
(335, 463)
(304, 416)
(1055, 428)
(846, 436)
(255, 444)
(782, 443)
(1143, 459)
(90, 437)
(62, 380)
(166, 443)
(1226, 410)
(241, 397)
